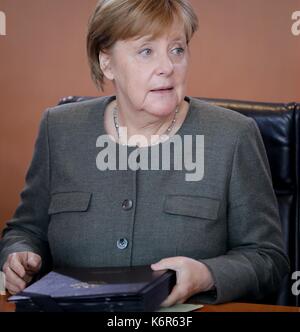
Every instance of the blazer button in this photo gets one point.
(127, 204)
(122, 243)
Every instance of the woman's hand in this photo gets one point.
(192, 277)
(19, 269)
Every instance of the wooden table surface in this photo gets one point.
(247, 307)
(228, 307)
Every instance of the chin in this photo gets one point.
(162, 109)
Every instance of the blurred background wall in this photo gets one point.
(244, 50)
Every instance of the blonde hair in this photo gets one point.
(114, 20)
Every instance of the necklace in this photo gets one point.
(117, 126)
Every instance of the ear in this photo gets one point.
(105, 65)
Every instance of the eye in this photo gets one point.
(178, 51)
(146, 52)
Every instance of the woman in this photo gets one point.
(220, 232)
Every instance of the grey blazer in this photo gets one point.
(85, 217)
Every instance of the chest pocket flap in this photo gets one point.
(194, 206)
(69, 202)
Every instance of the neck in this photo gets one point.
(145, 124)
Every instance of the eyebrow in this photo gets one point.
(179, 39)
(145, 39)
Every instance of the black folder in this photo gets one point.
(113, 289)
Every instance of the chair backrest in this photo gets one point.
(279, 125)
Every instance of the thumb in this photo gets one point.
(34, 262)
(163, 264)
(156, 266)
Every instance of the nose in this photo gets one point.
(165, 65)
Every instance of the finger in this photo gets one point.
(11, 288)
(174, 297)
(172, 263)
(183, 300)
(33, 262)
(16, 265)
(14, 280)
(28, 277)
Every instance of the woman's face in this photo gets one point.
(150, 75)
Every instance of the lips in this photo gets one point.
(162, 89)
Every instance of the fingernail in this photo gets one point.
(32, 262)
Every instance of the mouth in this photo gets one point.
(163, 89)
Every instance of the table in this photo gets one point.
(228, 307)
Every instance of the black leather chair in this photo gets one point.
(280, 128)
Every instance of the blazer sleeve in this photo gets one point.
(27, 230)
(255, 262)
